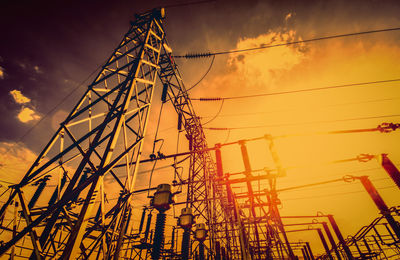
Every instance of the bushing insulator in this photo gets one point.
(158, 241)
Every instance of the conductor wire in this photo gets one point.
(294, 42)
(216, 115)
(297, 91)
(205, 74)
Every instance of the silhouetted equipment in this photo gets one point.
(323, 241)
(340, 236)
(331, 240)
(142, 220)
(380, 204)
(55, 195)
(164, 93)
(391, 169)
(201, 232)
(310, 253)
(147, 230)
(161, 201)
(107, 128)
(218, 158)
(186, 221)
(200, 236)
(97, 152)
(41, 185)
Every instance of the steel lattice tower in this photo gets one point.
(105, 129)
(60, 210)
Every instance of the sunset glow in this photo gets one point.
(310, 90)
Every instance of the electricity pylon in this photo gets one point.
(107, 128)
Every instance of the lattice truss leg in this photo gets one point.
(105, 128)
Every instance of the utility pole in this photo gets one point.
(340, 237)
(331, 240)
(380, 204)
(247, 167)
(391, 169)
(277, 218)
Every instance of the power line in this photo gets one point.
(308, 189)
(384, 128)
(11, 183)
(201, 79)
(312, 186)
(205, 74)
(58, 104)
(297, 91)
(207, 54)
(216, 115)
(302, 108)
(53, 108)
(336, 194)
(268, 112)
(303, 123)
(282, 183)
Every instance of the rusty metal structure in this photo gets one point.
(98, 148)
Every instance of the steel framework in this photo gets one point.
(98, 149)
(80, 163)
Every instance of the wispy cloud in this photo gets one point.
(18, 97)
(15, 160)
(288, 16)
(2, 74)
(259, 70)
(27, 114)
(267, 65)
(22, 65)
(37, 69)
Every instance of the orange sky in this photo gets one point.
(312, 65)
(320, 64)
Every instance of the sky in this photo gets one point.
(49, 51)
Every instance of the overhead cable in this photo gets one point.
(205, 74)
(56, 106)
(383, 128)
(337, 194)
(216, 115)
(264, 46)
(296, 91)
(299, 108)
(302, 123)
